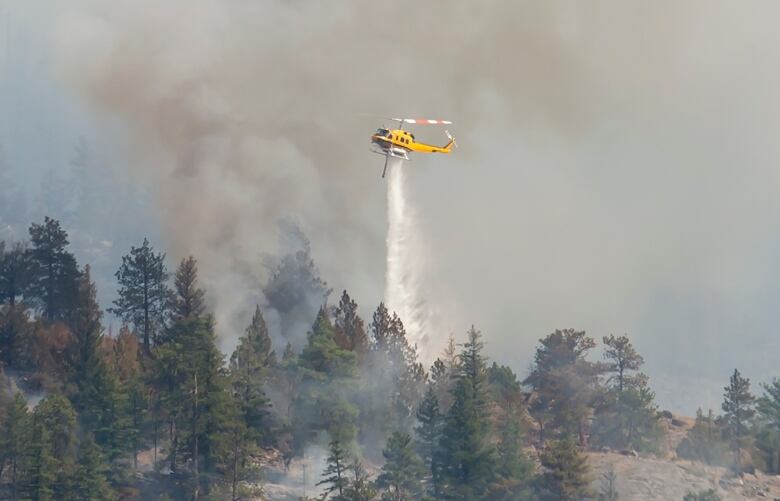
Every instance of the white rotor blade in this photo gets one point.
(422, 121)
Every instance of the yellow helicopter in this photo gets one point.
(398, 142)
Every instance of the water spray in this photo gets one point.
(404, 258)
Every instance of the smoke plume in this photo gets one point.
(617, 169)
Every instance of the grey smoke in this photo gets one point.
(617, 171)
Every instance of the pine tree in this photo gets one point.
(466, 455)
(397, 378)
(95, 390)
(193, 384)
(738, 406)
(14, 273)
(429, 429)
(403, 470)
(335, 476)
(566, 473)
(768, 436)
(326, 381)
(626, 416)
(621, 357)
(14, 437)
(53, 270)
(249, 368)
(90, 480)
(514, 470)
(188, 300)
(565, 384)
(16, 331)
(52, 460)
(350, 327)
(128, 369)
(143, 293)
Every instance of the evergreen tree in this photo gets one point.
(128, 369)
(626, 416)
(738, 406)
(90, 479)
(187, 300)
(14, 438)
(51, 463)
(429, 429)
(95, 391)
(53, 271)
(514, 470)
(335, 476)
(621, 357)
(565, 384)
(397, 378)
(566, 475)
(193, 384)
(466, 455)
(350, 327)
(768, 436)
(143, 293)
(403, 470)
(16, 332)
(327, 381)
(14, 273)
(249, 369)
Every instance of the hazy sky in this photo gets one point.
(618, 168)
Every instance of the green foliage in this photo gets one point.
(187, 300)
(327, 382)
(708, 495)
(566, 385)
(15, 337)
(15, 273)
(249, 368)
(738, 407)
(403, 471)
(428, 431)
(51, 463)
(15, 429)
(350, 328)
(335, 476)
(53, 271)
(90, 479)
(93, 388)
(515, 470)
(198, 401)
(466, 458)
(143, 292)
(626, 416)
(768, 432)
(566, 473)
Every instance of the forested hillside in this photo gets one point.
(80, 408)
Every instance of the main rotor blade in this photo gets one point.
(422, 121)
